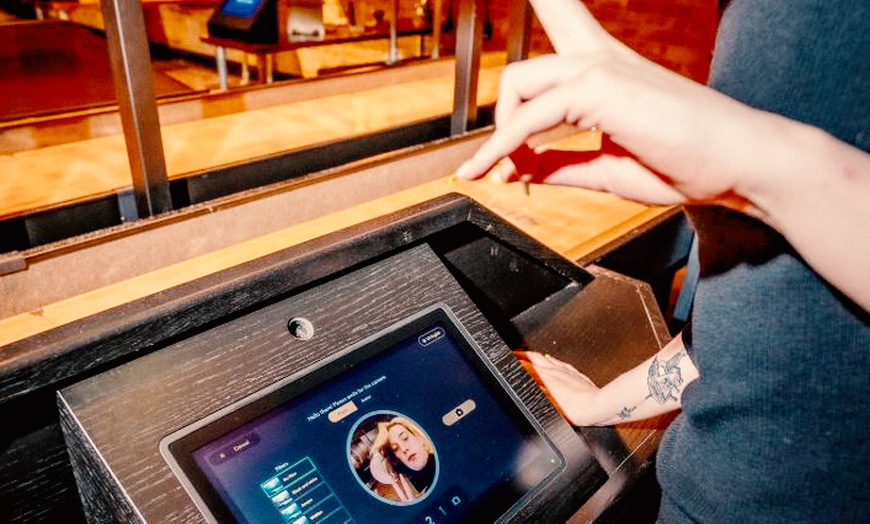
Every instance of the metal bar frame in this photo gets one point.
(469, 41)
(221, 59)
(134, 87)
(394, 32)
(437, 6)
(519, 30)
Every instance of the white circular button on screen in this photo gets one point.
(460, 411)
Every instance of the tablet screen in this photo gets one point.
(240, 8)
(410, 425)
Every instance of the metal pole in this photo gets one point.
(519, 30)
(134, 88)
(221, 58)
(394, 38)
(469, 40)
(436, 28)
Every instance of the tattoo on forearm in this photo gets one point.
(665, 378)
(626, 412)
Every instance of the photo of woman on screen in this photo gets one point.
(399, 466)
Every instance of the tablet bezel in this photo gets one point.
(178, 448)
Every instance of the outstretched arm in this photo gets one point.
(676, 141)
(651, 388)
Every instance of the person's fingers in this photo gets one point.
(621, 175)
(535, 96)
(539, 114)
(521, 355)
(504, 171)
(485, 159)
(537, 358)
(530, 369)
(522, 81)
(578, 102)
(548, 361)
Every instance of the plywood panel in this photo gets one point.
(573, 222)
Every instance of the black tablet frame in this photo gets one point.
(178, 447)
(260, 27)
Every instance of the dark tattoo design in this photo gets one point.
(626, 412)
(665, 378)
(664, 381)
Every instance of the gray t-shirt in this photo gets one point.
(777, 427)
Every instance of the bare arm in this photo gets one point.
(651, 388)
(815, 190)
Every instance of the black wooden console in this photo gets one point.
(211, 342)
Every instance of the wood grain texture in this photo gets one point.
(36, 479)
(37, 360)
(123, 413)
(44, 178)
(572, 222)
(23, 135)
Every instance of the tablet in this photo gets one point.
(412, 424)
(247, 20)
(241, 8)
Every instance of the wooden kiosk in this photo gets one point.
(101, 346)
(227, 336)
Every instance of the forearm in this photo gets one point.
(652, 388)
(814, 190)
(576, 29)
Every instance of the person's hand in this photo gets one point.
(381, 470)
(668, 140)
(568, 389)
(673, 141)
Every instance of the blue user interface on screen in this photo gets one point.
(240, 8)
(409, 435)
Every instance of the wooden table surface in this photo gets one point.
(45, 178)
